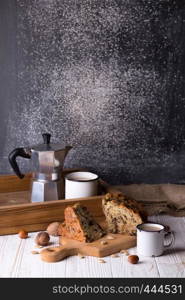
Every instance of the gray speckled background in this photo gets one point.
(107, 77)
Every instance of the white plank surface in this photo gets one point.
(16, 259)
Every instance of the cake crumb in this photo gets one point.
(81, 256)
(102, 261)
(110, 237)
(103, 242)
(38, 246)
(124, 252)
(114, 255)
(34, 252)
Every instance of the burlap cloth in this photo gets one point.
(156, 198)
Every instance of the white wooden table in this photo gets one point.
(16, 259)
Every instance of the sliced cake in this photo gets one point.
(122, 214)
(80, 225)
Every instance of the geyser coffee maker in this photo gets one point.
(47, 161)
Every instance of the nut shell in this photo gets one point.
(52, 228)
(133, 259)
(42, 238)
(23, 234)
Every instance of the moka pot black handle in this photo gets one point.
(22, 152)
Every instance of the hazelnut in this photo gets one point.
(133, 259)
(52, 228)
(23, 234)
(42, 238)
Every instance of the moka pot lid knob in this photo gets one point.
(46, 138)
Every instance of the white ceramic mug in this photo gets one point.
(81, 184)
(151, 239)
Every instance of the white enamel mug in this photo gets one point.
(81, 184)
(151, 239)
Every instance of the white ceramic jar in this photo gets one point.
(81, 184)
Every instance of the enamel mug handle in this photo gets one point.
(172, 239)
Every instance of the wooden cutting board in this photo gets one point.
(96, 248)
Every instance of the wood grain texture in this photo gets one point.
(11, 183)
(172, 263)
(14, 198)
(36, 216)
(16, 259)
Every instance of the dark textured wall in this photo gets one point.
(107, 77)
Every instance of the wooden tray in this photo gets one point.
(16, 211)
